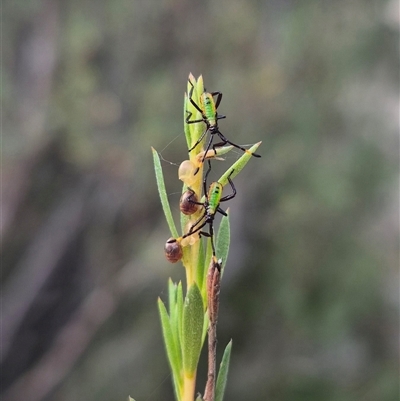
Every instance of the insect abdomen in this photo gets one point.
(214, 197)
(209, 108)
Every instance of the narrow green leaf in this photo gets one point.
(177, 386)
(208, 253)
(171, 347)
(174, 313)
(238, 165)
(207, 261)
(195, 129)
(200, 86)
(223, 240)
(200, 267)
(163, 194)
(205, 327)
(171, 299)
(222, 150)
(192, 329)
(215, 154)
(192, 82)
(223, 373)
(179, 304)
(188, 133)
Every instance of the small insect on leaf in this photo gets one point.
(173, 250)
(188, 203)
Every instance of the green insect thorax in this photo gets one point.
(208, 107)
(214, 197)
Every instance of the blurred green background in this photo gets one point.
(310, 294)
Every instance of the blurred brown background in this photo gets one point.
(310, 294)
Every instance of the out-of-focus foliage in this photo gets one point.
(310, 290)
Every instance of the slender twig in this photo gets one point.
(213, 289)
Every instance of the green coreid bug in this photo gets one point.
(209, 115)
(211, 207)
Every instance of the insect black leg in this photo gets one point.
(194, 231)
(233, 194)
(217, 102)
(225, 141)
(195, 105)
(198, 141)
(209, 235)
(221, 210)
(207, 149)
(189, 233)
(188, 121)
(212, 238)
(189, 198)
(219, 98)
(205, 178)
